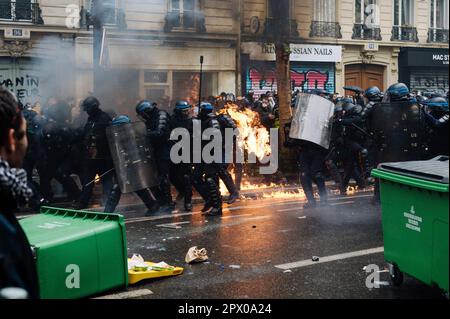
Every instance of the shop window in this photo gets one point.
(367, 20)
(156, 85)
(438, 31)
(20, 10)
(186, 86)
(403, 21)
(324, 20)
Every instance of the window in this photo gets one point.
(367, 13)
(273, 5)
(16, 10)
(182, 13)
(404, 13)
(109, 10)
(439, 14)
(325, 11)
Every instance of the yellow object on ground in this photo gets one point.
(134, 276)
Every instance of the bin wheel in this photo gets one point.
(396, 276)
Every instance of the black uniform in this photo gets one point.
(205, 174)
(311, 161)
(158, 133)
(34, 157)
(181, 173)
(227, 122)
(355, 155)
(97, 158)
(57, 141)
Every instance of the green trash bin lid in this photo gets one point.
(434, 170)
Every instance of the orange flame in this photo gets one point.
(254, 137)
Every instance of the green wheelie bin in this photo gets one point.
(78, 253)
(414, 204)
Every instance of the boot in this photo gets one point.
(215, 197)
(233, 198)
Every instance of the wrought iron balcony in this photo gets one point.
(438, 35)
(362, 32)
(273, 28)
(189, 20)
(404, 34)
(325, 29)
(21, 11)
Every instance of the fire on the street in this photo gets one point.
(254, 137)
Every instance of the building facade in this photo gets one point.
(373, 38)
(152, 48)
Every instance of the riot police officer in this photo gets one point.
(34, 158)
(158, 134)
(181, 173)
(97, 158)
(57, 141)
(437, 119)
(144, 194)
(227, 122)
(355, 155)
(205, 176)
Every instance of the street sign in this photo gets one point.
(17, 33)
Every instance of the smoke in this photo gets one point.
(61, 65)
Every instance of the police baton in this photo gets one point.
(93, 181)
(361, 130)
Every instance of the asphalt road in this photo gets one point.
(263, 249)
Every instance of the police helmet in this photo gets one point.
(145, 106)
(437, 104)
(373, 93)
(398, 92)
(182, 105)
(90, 104)
(121, 119)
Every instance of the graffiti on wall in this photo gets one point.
(261, 80)
(424, 82)
(25, 87)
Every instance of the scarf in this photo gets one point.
(14, 180)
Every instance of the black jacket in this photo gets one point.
(95, 140)
(17, 265)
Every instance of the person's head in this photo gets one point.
(373, 94)
(13, 127)
(437, 106)
(397, 92)
(204, 110)
(120, 120)
(145, 110)
(183, 109)
(90, 105)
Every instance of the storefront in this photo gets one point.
(158, 72)
(424, 69)
(312, 67)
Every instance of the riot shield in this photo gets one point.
(398, 132)
(312, 120)
(133, 157)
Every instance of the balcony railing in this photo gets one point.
(325, 30)
(362, 32)
(438, 35)
(189, 20)
(21, 11)
(273, 27)
(404, 34)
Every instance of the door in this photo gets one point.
(364, 76)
